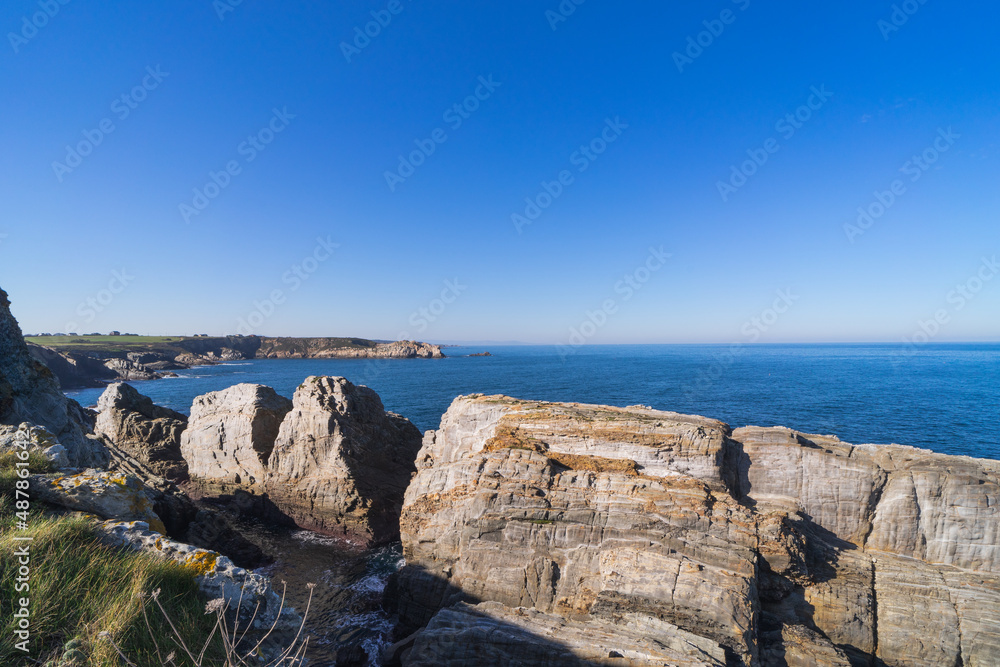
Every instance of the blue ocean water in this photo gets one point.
(941, 397)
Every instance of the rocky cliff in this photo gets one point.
(559, 534)
(30, 392)
(332, 459)
(84, 362)
(147, 432)
(340, 348)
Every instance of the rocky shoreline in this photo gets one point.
(540, 533)
(97, 365)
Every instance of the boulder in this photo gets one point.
(109, 495)
(332, 459)
(30, 392)
(767, 546)
(231, 433)
(341, 463)
(27, 437)
(149, 433)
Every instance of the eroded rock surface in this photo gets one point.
(332, 459)
(341, 463)
(149, 433)
(109, 495)
(231, 433)
(770, 547)
(29, 392)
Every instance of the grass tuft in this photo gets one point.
(80, 587)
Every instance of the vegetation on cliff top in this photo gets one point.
(80, 587)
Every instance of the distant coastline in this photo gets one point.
(94, 361)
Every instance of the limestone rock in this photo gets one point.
(109, 495)
(149, 433)
(492, 634)
(29, 392)
(125, 369)
(231, 433)
(341, 463)
(935, 507)
(255, 604)
(776, 547)
(547, 506)
(28, 437)
(333, 459)
(327, 348)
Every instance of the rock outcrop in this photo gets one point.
(231, 433)
(73, 370)
(109, 495)
(254, 606)
(541, 533)
(149, 433)
(29, 392)
(90, 363)
(332, 459)
(341, 463)
(27, 437)
(340, 348)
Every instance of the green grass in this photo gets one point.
(37, 463)
(104, 342)
(80, 586)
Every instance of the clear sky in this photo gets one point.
(252, 175)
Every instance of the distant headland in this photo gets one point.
(95, 360)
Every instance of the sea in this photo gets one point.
(942, 397)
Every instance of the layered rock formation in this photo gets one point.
(231, 434)
(332, 459)
(327, 348)
(539, 533)
(29, 392)
(147, 432)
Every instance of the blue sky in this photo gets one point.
(641, 136)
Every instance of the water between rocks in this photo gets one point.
(346, 624)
